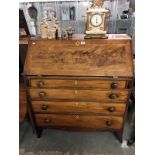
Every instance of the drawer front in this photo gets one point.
(52, 83)
(86, 95)
(78, 107)
(81, 121)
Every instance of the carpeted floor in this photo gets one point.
(58, 142)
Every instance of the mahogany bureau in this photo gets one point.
(79, 84)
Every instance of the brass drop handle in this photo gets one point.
(114, 85)
(111, 109)
(44, 107)
(41, 84)
(42, 94)
(108, 122)
(47, 120)
(113, 96)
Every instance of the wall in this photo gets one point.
(115, 25)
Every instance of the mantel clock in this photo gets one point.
(96, 16)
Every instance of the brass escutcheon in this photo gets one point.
(75, 82)
(76, 92)
(77, 43)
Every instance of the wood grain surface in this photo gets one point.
(109, 57)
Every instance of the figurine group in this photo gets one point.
(52, 30)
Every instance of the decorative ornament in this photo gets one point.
(70, 31)
(64, 35)
(97, 3)
(50, 30)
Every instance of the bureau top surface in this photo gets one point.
(81, 37)
(80, 57)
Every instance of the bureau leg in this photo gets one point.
(119, 135)
(39, 132)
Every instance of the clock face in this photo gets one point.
(96, 20)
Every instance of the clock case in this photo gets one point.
(93, 31)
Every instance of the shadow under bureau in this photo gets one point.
(79, 84)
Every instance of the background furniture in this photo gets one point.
(23, 43)
(22, 101)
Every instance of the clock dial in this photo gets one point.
(96, 20)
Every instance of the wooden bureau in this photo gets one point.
(79, 84)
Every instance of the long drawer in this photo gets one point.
(78, 107)
(81, 121)
(52, 83)
(98, 95)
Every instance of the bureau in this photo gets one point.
(79, 84)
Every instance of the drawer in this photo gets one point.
(78, 107)
(85, 95)
(52, 83)
(81, 121)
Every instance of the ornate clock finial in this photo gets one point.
(97, 3)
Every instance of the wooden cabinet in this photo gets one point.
(79, 84)
(22, 101)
